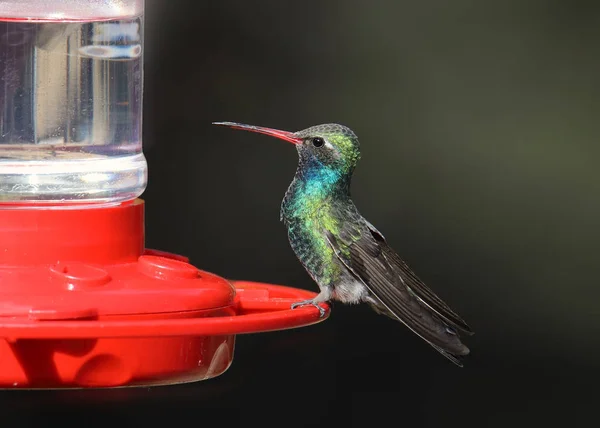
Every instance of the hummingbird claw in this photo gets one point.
(312, 303)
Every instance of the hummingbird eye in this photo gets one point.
(318, 142)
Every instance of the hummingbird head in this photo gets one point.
(329, 146)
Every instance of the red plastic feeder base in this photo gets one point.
(83, 304)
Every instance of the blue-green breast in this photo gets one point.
(307, 211)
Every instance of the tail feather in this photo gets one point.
(454, 353)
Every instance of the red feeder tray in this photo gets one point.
(83, 304)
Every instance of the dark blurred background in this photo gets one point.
(479, 128)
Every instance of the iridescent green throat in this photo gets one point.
(314, 187)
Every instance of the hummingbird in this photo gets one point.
(349, 259)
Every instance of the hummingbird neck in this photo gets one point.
(312, 187)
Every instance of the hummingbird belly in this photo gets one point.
(320, 261)
(315, 254)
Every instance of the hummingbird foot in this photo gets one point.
(312, 303)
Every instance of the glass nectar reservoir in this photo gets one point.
(71, 101)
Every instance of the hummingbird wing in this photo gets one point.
(416, 286)
(358, 249)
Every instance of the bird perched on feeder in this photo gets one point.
(347, 256)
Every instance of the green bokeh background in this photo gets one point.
(479, 128)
